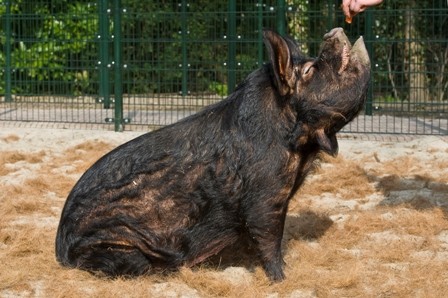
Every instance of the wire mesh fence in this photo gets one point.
(143, 64)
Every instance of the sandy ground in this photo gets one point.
(372, 223)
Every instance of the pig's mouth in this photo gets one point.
(348, 54)
(345, 58)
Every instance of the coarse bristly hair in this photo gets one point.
(178, 195)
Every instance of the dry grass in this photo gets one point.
(337, 242)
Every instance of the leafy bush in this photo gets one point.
(53, 48)
(218, 88)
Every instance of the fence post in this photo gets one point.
(331, 14)
(231, 41)
(260, 32)
(118, 83)
(8, 68)
(369, 46)
(103, 23)
(184, 37)
(281, 17)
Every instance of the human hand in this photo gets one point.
(353, 7)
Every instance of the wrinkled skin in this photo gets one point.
(178, 195)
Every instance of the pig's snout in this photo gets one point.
(356, 52)
(333, 33)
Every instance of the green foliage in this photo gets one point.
(52, 46)
(386, 99)
(201, 31)
(218, 88)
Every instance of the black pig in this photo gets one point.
(178, 195)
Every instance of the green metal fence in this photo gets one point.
(143, 64)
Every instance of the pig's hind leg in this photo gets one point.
(124, 256)
(113, 260)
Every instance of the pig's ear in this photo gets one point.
(280, 57)
(328, 143)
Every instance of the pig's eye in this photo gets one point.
(308, 69)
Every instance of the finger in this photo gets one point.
(362, 8)
(346, 8)
(355, 7)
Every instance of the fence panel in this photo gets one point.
(409, 51)
(51, 67)
(145, 64)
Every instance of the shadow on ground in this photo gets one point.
(305, 226)
(418, 192)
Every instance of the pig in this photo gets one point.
(178, 195)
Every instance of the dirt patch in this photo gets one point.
(371, 222)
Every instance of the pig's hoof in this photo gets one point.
(275, 273)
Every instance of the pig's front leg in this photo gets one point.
(272, 259)
(265, 227)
